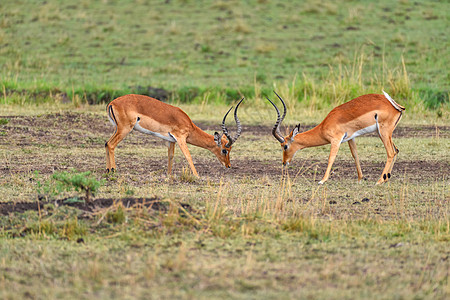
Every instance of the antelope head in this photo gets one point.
(287, 143)
(225, 141)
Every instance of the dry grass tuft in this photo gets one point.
(266, 48)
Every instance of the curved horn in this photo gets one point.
(284, 107)
(224, 129)
(276, 128)
(233, 139)
(238, 123)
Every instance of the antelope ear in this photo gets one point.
(217, 139)
(295, 131)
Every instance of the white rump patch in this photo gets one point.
(394, 104)
(169, 138)
(110, 118)
(112, 121)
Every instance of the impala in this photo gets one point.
(151, 116)
(364, 114)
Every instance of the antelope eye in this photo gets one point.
(224, 151)
(285, 147)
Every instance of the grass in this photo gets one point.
(252, 231)
(344, 265)
(93, 52)
(247, 234)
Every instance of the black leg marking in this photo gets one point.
(399, 117)
(389, 175)
(112, 113)
(113, 170)
(384, 176)
(106, 144)
(107, 170)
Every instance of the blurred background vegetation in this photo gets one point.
(321, 52)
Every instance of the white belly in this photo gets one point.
(369, 129)
(169, 137)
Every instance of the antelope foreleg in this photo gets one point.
(183, 147)
(333, 153)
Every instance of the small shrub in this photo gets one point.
(80, 182)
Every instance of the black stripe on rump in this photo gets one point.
(112, 113)
(399, 117)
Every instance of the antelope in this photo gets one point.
(364, 114)
(170, 123)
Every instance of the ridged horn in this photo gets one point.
(233, 139)
(276, 128)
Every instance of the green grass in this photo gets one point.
(248, 235)
(367, 260)
(251, 235)
(93, 52)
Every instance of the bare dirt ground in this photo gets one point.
(89, 130)
(20, 207)
(85, 130)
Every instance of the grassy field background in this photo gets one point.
(250, 232)
(246, 232)
(95, 50)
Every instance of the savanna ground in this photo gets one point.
(240, 233)
(252, 231)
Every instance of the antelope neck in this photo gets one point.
(311, 138)
(201, 139)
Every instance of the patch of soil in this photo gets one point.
(412, 170)
(69, 129)
(143, 171)
(151, 203)
(423, 131)
(87, 129)
(56, 129)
